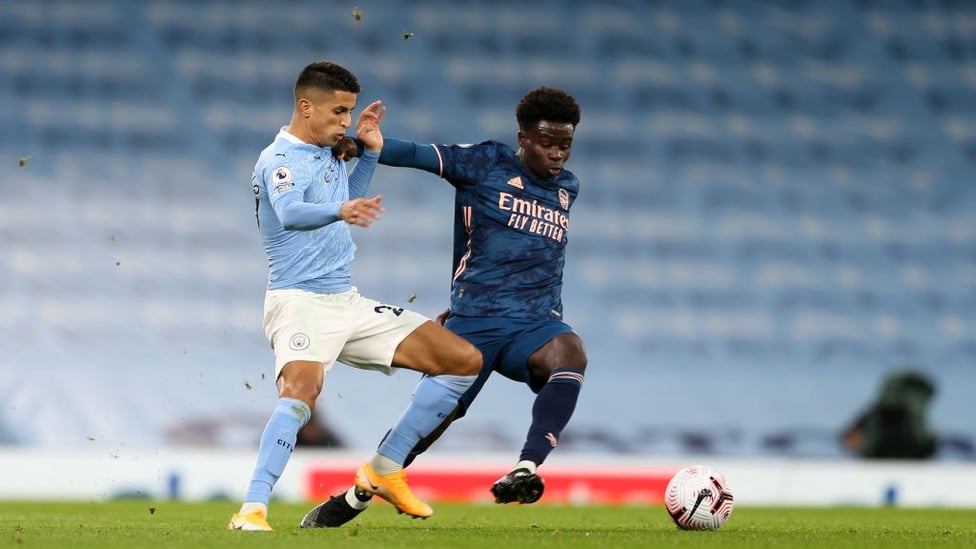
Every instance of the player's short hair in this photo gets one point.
(549, 104)
(327, 77)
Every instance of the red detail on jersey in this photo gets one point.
(463, 263)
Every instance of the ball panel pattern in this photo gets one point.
(698, 498)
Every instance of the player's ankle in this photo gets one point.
(252, 506)
(526, 464)
(358, 499)
(383, 465)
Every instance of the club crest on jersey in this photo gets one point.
(564, 199)
(299, 342)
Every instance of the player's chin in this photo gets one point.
(331, 141)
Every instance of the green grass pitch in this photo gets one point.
(145, 523)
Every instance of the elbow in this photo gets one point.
(292, 219)
(293, 223)
(293, 226)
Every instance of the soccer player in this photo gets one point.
(511, 224)
(313, 315)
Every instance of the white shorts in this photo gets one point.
(348, 327)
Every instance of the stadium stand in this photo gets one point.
(777, 207)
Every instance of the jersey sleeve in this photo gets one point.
(282, 178)
(286, 184)
(362, 174)
(465, 166)
(397, 152)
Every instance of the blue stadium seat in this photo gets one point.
(766, 186)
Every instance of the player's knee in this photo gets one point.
(301, 383)
(563, 351)
(574, 355)
(470, 362)
(464, 360)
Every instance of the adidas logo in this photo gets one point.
(516, 182)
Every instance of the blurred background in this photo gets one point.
(777, 213)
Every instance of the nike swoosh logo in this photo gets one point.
(701, 497)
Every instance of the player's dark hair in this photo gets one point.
(549, 104)
(326, 76)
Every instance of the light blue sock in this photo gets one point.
(277, 444)
(434, 398)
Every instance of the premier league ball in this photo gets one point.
(698, 498)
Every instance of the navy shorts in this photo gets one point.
(505, 346)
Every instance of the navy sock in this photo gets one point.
(277, 443)
(551, 411)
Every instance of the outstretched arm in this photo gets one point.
(397, 152)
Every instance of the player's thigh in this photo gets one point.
(433, 349)
(301, 379)
(305, 327)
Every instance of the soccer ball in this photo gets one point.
(698, 498)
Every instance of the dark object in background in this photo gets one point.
(316, 433)
(896, 425)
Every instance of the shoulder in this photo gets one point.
(501, 149)
(568, 177)
(274, 153)
(282, 158)
(469, 163)
(568, 180)
(489, 147)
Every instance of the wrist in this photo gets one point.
(360, 146)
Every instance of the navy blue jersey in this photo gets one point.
(510, 233)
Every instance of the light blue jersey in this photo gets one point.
(298, 189)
